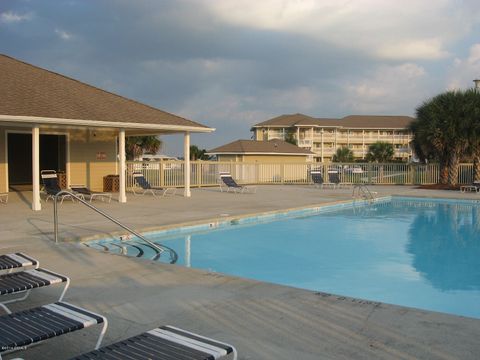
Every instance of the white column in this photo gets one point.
(186, 170)
(36, 206)
(122, 196)
(298, 135)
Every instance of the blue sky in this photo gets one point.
(232, 63)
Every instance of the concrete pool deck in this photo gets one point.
(264, 321)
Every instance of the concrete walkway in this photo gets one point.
(264, 321)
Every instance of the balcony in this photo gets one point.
(305, 143)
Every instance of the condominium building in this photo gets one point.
(324, 136)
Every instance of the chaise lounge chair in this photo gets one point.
(164, 343)
(28, 327)
(231, 184)
(16, 261)
(51, 187)
(317, 178)
(141, 181)
(24, 281)
(91, 195)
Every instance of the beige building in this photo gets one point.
(267, 152)
(324, 136)
(49, 121)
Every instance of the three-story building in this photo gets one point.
(324, 136)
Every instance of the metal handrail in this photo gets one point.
(160, 248)
(364, 190)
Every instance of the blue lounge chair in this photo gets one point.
(164, 343)
(231, 184)
(317, 178)
(146, 187)
(334, 178)
(28, 327)
(85, 192)
(51, 187)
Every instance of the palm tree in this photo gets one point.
(444, 127)
(343, 154)
(472, 111)
(136, 146)
(197, 154)
(380, 151)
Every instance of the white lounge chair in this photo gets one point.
(24, 281)
(24, 328)
(231, 184)
(164, 343)
(143, 183)
(85, 192)
(16, 261)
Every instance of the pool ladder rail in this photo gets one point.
(158, 247)
(363, 192)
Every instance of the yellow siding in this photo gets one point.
(85, 168)
(83, 148)
(275, 159)
(229, 158)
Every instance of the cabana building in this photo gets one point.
(50, 121)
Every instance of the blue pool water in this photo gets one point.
(423, 254)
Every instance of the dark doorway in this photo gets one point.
(52, 156)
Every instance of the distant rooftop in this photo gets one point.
(351, 121)
(275, 146)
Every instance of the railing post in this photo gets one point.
(161, 173)
(282, 173)
(198, 169)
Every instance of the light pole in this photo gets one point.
(477, 84)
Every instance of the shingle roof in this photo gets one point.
(274, 146)
(351, 121)
(27, 90)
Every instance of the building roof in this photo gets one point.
(271, 147)
(27, 91)
(350, 122)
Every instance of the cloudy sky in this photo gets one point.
(232, 63)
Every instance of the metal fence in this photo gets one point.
(206, 173)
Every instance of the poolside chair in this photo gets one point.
(164, 343)
(28, 327)
(51, 186)
(16, 261)
(4, 198)
(141, 181)
(85, 192)
(334, 178)
(24, 281)
(231, 184)
(317, 178)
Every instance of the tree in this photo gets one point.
(197, 154)
(290, 137)
(380, 152)
(447, 129)
(343, 154)
(136, 146)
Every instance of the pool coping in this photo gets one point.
(243, 219)
(212, 223)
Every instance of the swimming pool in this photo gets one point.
(404, 251)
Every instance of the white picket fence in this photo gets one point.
(206, 173)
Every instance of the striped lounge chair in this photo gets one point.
(164, 343)
(28, 327)
(16, 261)
(24, 281)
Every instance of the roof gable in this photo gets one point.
(29, 91)
(274, 146)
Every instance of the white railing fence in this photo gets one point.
(206, 173)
